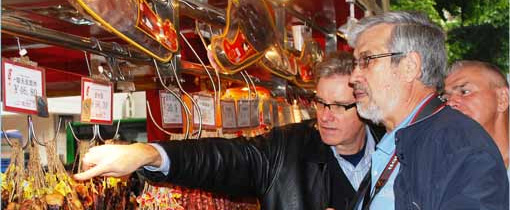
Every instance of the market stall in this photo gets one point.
(141, 70)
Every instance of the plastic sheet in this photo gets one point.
(135, 22)
(248, 34)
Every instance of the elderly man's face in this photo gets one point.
(469, 91)
(375, 82)
(336, 124)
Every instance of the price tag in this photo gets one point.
(266, 113)
(21, 85)
(206, 105)
(171, 110)
(228, 114)
(243, 113)
(97, 101)
(254, 113)
(287, 114)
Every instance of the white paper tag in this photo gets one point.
(206, 105)
(228, 114)
(101, 96)
(21, 85)
(243, 113)
(287, 114)
(171, 110)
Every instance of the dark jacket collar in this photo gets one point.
(316, 151)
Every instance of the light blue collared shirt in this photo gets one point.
(165, 161)
(355, 174)
(385, 199)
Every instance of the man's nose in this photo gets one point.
(326, 115)
(454, 101)
(355, 76)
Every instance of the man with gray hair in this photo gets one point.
(432, 157)
(303, 166)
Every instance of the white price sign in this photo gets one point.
(228, 114)
(171, 110)
(97, 101)
(207, 109)
(243, 113)
(21, 85)
(254, 113)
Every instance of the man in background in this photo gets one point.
(480, 91)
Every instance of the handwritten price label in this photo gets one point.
(98, 95)
(21, 85)
(243, 113)
(206, 105)
(171, 110)
(228, 114)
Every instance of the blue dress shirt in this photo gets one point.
(385, 199)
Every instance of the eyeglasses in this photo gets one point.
(364, 61)
(334, 107)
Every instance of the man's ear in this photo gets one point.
(502, 98)
(411, 66)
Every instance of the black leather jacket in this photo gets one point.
(285, 168)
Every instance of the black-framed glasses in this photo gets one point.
(334, 107)
(364, 61)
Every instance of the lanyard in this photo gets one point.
(431, 106)
(383, 179)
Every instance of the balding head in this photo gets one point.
(493, 73)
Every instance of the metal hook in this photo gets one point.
(117, 47)
(252, 83)
(156, 124)
(21, 51)
(207, 49)
(72, 132)
(247, 85)
(187, 111)
(97, 43)
(6, 137)
(31, 132)
(88, 64)
(195, 104)
(55, 137)
(203, 65)
(98, 132)
(115, 136)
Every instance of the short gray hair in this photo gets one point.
(337, 63)
(498, 80)
(412, 32)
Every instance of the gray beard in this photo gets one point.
(370, 112)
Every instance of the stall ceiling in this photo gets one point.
(64, 66)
